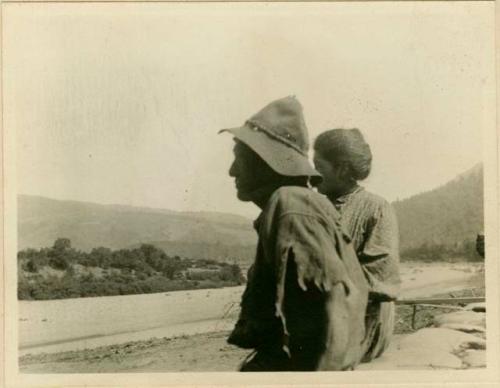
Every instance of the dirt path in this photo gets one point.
(197, 353)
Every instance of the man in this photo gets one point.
(304, 304)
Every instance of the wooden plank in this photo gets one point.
(440, 300)
(442, 306)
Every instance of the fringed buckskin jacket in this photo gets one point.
(306, 293)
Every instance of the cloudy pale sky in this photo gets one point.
(121, 103)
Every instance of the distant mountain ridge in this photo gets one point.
(89, 225)
(448, 215)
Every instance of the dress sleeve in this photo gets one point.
(321, 293)
(379, 255)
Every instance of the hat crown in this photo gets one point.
(284, 120)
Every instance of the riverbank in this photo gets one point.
(76, 324)
(198, 351)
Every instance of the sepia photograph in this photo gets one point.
(249, 187)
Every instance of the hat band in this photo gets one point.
(282, 139)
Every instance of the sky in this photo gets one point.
(121, 103)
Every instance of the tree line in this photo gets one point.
(62, 271)
(466, 251)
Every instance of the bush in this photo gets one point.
(58, 262)
(24, 291)
(30, 266)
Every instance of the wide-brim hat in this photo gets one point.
(278, 134)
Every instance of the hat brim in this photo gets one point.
(280, 157)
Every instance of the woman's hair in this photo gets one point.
(346, 146)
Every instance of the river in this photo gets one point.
(73, 324)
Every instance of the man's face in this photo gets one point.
(249, 171)
(331, 175)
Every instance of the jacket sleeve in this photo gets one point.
(257, 323)
(321, 293)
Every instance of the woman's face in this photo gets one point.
(332, 181)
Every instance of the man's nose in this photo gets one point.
(233, 170)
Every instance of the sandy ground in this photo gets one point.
(196, 353)
(209, 351)
(72, 324)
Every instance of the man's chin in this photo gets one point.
(243, 196)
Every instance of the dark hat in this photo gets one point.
(278, 134)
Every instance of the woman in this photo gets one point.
(343, 158)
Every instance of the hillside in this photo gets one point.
(195, 235)
(450, 215)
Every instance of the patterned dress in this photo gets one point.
(372, 225)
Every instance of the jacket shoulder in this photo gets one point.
(302, 200)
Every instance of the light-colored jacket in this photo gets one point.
(306, 292)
